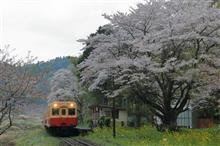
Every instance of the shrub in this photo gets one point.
(101, 122)
(90, 123)
(107, 122)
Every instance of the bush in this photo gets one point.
(104, 122)
(101, 122)
(107, 122)
(131, 124)
(122, 123)
(90, 123)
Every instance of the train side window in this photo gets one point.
(55, 112)
(71, 111)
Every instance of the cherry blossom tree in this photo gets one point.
(165, 52)
(16, 82)
(64, 86)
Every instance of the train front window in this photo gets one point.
(71, 111)
(55, 112)
(63, 111)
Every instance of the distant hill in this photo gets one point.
(48, 68)
(53, 65)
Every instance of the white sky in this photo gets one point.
(50, 28)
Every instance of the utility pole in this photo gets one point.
(113, 116)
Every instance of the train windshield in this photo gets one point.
(71, 111)
(63, 112)
(55, 112)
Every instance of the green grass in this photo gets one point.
(148, 136)
(28, 132)
(37, 137)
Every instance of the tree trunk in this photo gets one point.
(170, 122)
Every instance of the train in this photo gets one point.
(61, 117)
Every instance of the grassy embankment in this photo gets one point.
(27, 132)
(148, 136)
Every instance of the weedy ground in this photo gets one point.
(27, 132)
(30, 132)
(148, 136)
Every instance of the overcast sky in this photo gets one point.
(50, 28)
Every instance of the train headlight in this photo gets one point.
(55, 105)
(71, 105)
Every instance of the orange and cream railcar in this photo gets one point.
(61, 114)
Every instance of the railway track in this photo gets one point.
(75, 142)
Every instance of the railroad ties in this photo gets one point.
(76, 142)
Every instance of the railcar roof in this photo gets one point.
(62, 102)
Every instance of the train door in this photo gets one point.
(63, 113)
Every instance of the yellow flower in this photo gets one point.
(164, 139)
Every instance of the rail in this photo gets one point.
(76, 142)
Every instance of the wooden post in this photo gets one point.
(113, 116)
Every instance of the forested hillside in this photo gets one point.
(47, 69)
